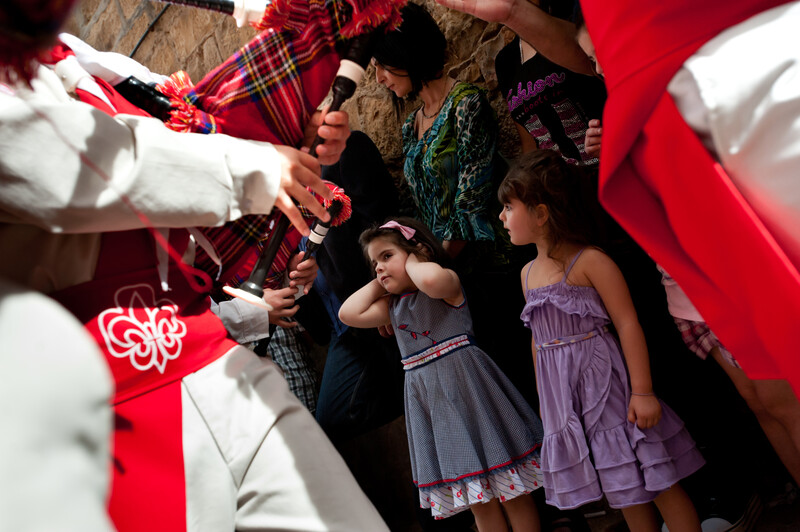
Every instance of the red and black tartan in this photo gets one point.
(268, 91)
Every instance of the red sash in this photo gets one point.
(151, 340)
(150, 337)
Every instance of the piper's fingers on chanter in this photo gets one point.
(284, 312)
(305, 281)
(300, 194)
(280, 299)
(285, 204)
(294, 261)
(304, 273)
(335, 130)
(335, 126)
(307, 263)
(300, 168)
(304, 197)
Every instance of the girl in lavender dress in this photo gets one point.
(606, 432)
(473, 440)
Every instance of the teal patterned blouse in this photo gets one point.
(449, 170)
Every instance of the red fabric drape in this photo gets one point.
(662, 186)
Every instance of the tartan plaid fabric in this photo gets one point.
(267, 91)
(239, 244)
(291, 352)
(700, 340)
(364, 15)
(270, 87)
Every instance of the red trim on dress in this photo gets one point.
(504, 464)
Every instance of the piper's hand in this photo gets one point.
(283, 304)
(298, 171)
(334, 128)
(488, 10)
(302, 271)
(594, 136)
(644, 410)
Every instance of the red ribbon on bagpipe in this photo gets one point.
(268, 91)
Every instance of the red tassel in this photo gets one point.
(369, 14)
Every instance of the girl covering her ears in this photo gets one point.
(472, 437)
(605, 430)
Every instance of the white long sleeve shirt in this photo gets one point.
(65, 168)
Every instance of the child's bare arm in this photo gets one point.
(366, 308)
(433, 280)
(606, 278)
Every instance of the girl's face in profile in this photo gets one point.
(389, 262)
(395, 79)
(523, 224)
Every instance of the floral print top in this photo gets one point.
(449, 170)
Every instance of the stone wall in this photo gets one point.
(167, 38)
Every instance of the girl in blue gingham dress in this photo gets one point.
(472, 437)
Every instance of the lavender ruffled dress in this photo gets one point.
(472, 436)
(590, 448)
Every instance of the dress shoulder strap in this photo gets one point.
(571, 264)
(527, 273)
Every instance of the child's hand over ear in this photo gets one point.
(644, 410)
(423, 253)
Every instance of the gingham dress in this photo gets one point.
(590, 448)
(471, 435)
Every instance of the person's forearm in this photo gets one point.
(634, 349)
(552, 37)
(432, 279)
(67, 167)
(360, 301)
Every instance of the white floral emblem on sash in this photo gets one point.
(147, 331)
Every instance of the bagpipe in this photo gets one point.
(267, 91)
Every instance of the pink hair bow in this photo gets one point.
(407, 232)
